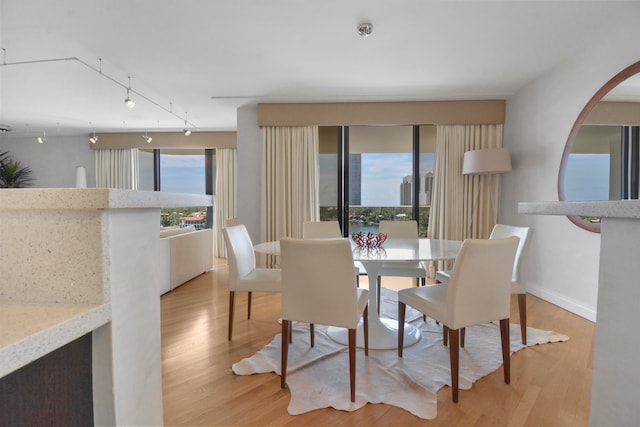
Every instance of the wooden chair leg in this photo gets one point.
(365, 322)
(454, 357)
(357, 280)
(445, 335)
(462, 333)
(232, 305)
(312, 334)
(352, 363)
(402, 308)
(286, 327)
(290, 334)
(506, 350)
(522, 307)
(249, 306)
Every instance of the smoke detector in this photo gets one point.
(365, 29)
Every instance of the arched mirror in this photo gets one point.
(601, 159)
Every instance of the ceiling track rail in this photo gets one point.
(106, 76)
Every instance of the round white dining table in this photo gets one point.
(383, 332)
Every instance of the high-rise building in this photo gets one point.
(406, 191)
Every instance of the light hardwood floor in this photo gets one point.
(550, 384)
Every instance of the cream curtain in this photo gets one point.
(290, 180)
(117, 168)
(225, 196)
(461, 205)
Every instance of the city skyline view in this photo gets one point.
(381, 176)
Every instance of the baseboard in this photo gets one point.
(569, 304)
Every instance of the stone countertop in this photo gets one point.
(30, 331)
(607, 208)
(33, 327)
(96, 198)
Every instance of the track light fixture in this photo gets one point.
(147, 138)
(43, 138)
(128, 101)
(94, 138)
(186, 130)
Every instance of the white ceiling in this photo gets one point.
(209, 57)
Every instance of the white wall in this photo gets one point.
(54, 162)
(248, 181)
(562, 266)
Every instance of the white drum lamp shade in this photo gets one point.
(486, 161)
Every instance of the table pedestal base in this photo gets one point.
(383, 334)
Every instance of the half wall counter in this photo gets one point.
(85, 261)
(615, 369)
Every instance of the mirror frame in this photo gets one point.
(597, 97)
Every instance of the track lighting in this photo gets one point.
(128, 101)
(94, 138)
(43, 138)
(147, 138)
(186, 130)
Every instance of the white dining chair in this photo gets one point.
(243, 273)
(328, 230)
(500, 231)
(417, 269)
(319, 287)
(321, 230)
(478, 291)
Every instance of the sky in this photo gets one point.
(381, 177)
(182, 174)
(587, 177)
(178, 173)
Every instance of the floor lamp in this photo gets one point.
(486, 161)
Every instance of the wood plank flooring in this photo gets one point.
(550, 384)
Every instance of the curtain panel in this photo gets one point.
(462, 205)
(117, 168)
(225, 201)
(290, 180)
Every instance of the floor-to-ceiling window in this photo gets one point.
(179, 171)
(367, 174)
(382, 158)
